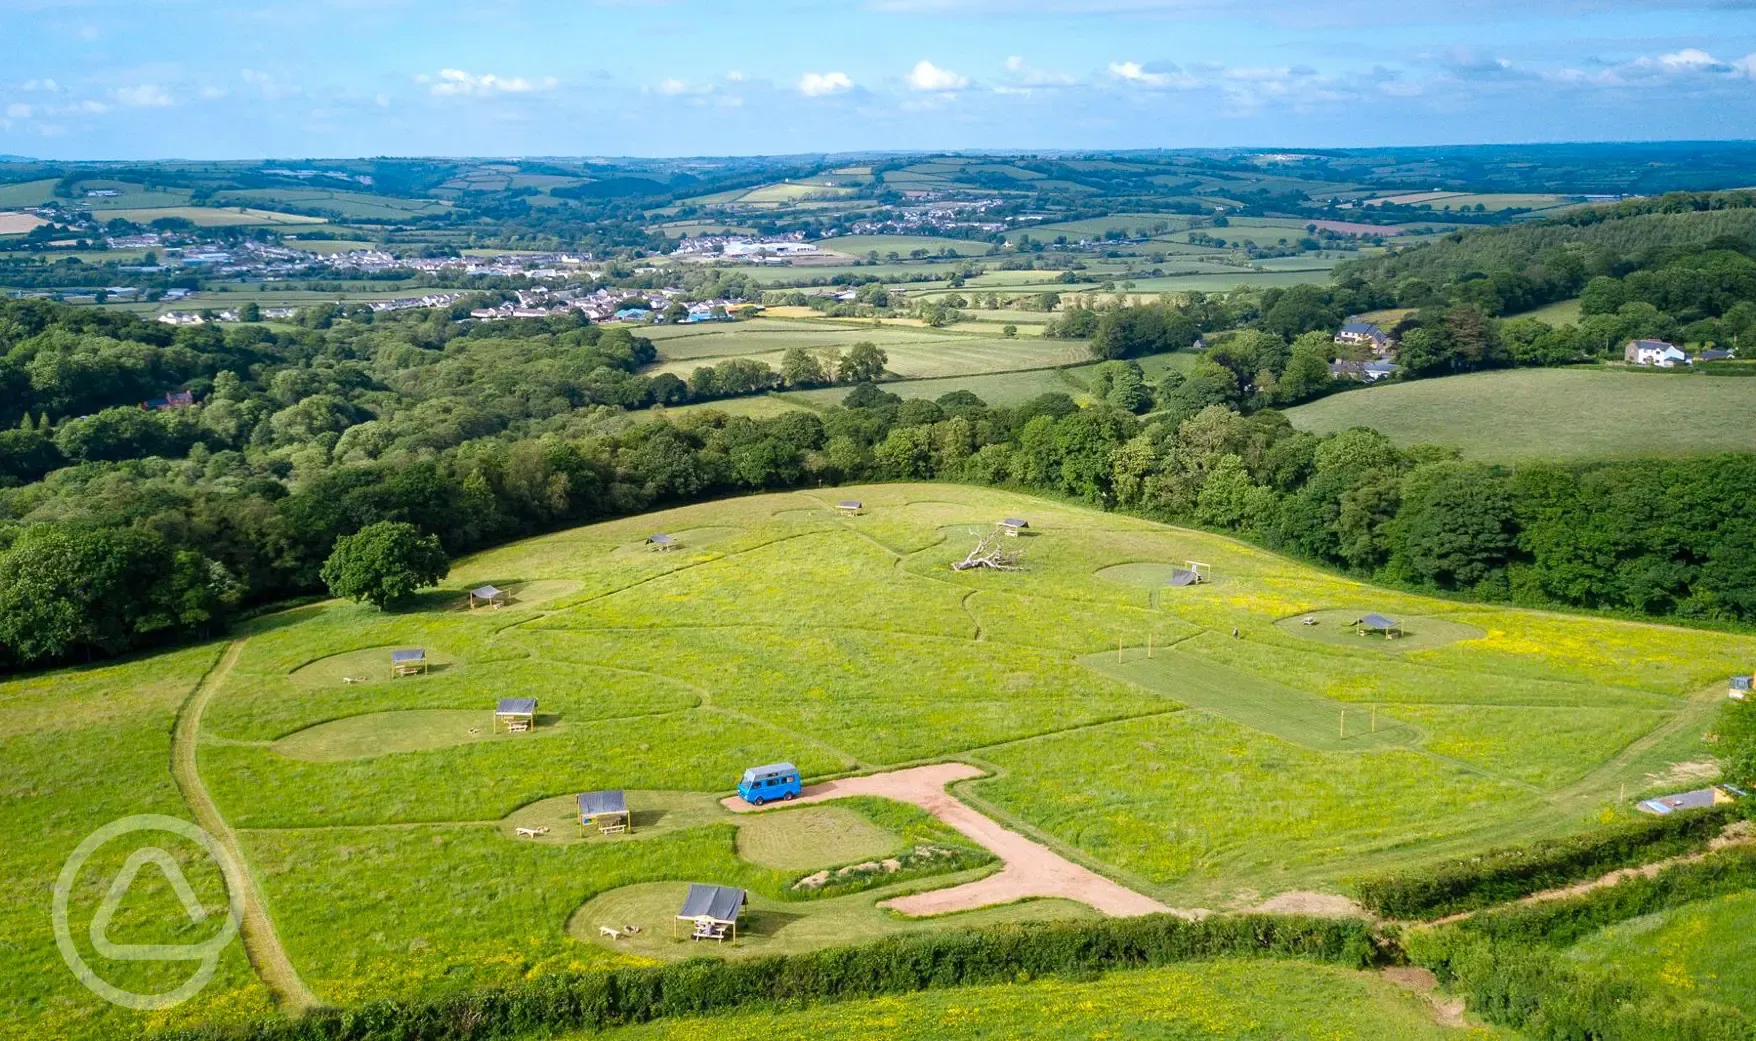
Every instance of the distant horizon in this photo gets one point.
(202, 80)
(864, 153)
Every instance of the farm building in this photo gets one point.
(1366, 334)
(1377, 623)
(407, 662)
(714, 911)
(607, 809)
(1699, 799)
(1014, 525)
(662, 542)
(516, 714)
(1362, 371)
(1656, 353)
(488, 596)
(1714, 354)
(850, 507)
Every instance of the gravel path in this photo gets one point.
(1030, 868)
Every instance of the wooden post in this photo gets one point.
(1118, 650)
(1344, 724)
(1149, 643)
(1374, 719)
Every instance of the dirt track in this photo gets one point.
(1030, 869)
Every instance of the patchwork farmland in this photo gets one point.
(1199, 747)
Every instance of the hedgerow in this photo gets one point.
(898, 965)
(1500, 875)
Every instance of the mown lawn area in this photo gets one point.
(1524, 415)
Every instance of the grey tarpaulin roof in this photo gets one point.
(1378, 621)
(660, 539)
(485, 593)
(1695, 800)
(1182, 576)
(593, 804)
(849, 504)
(516, 707)
(720, 903)
(414, 654)
(1016, 522)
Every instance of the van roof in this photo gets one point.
(771, 768)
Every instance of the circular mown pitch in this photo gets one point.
(1147, 574)
(812, 837)
(1337, 628)
(368, 665)
(386, 733)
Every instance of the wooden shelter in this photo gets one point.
(488, 595)
(517, 715)
(1013, 525)
(1742, 687)
(850, 507)
(1377, 623)
(660, 541)
(607, 809)
(714, 911)
(1203, 572)
(1182, 576)
(407, 662)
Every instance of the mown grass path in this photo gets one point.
(261, 944)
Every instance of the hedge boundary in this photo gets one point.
(1499, 876)
(900, 965)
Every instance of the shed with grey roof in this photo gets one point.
(1377, 623)
(1014, 525)
(713, 909)
(607, 809)
(516, 714)
(407, 662)
(851, 507)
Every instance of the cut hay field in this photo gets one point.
(212, 217)
(913, 352)
(1237, 1000)
(378, 817)
(19, 223)
(1552, 414)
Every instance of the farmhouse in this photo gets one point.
(607, 809)
(517, 715)
(1655, 353)
(1699, 799)
(714, 911)
(1366, 334)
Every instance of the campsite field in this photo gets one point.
(378, 817)
(1242, 1000)
(1552, 414)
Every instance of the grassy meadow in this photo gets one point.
(1702, 949)
(1559, 414)
(378, 816)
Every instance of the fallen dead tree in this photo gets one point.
(988, 553)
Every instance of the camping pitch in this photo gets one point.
(517, 715)
(714, 911)
(407, 662)
(607, 809)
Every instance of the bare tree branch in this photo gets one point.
(988, 554)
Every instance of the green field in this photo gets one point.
(1561, 312)
(1558, 414)
(1703, 949)
(1207, 775)
(1236, 1000)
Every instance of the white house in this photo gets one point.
(1655, 353)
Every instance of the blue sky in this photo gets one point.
(106, 79)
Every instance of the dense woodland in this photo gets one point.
(123, 526)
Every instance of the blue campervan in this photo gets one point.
(762, 784)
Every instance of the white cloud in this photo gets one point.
(1689, 58)
(735, 76)
(1021, 73)
(48, 85)
(1153, 74)
(927, 76)
(147, 95)
(18, 110)
(458, 83)
(673, 86)
(817, 84)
